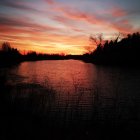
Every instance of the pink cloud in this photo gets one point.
(118, 12)
(50, 1)
(71, 13)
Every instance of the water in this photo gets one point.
(84, 92)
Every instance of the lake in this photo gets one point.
(84, 91)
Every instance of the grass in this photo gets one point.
(33, 111)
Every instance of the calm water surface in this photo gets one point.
(83, 88)
(73, 75)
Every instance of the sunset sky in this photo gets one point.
(64, 26)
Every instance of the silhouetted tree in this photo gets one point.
(9, 55)
(6, 47)
(125, 50)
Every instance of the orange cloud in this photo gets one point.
(28, 39)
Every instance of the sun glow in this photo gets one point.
(61, 27)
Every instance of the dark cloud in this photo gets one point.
(24, 22)
(18, 5)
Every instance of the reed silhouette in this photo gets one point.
(28, 111)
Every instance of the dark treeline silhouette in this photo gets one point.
(10, 56)
(121, 52)
(33, 56)
(126, 51)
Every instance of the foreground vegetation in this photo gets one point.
(33, 111)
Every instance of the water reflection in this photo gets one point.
(62, 75)
(84, 92)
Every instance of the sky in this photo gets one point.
(64, 26)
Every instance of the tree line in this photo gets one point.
(118, 51)
(10, 56)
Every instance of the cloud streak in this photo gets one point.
(59, 26)
(75, 14)
(18, 5)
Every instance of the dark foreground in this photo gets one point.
(27, 113)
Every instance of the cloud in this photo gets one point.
(57, 26)
(18, 5)
(118, 12)
(75, 14)
(68, 14)
(92, 19)
(24, 23)
(114, 11)
(50, 1)
(114, 15)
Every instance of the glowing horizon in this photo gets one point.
(62, 26)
